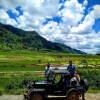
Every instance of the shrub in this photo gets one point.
(1, 91)
(92, 75)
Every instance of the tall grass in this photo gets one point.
(16, 84)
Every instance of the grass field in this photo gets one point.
(18, 66)
(29, 58)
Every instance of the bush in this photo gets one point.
(1, 91)
(92, 75)
(9, 86)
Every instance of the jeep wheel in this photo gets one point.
(36, 97)
(73, 95)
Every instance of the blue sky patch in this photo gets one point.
(96, 26)
(14, 15)
(62, 1)
(11, 14)
(55, 19)
(61, 7)
(20, 10)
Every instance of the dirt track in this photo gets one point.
(89, 96)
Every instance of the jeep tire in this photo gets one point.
(36, 96)
(73, 95)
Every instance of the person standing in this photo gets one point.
(71, 68)
(48, 71)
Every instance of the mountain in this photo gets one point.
(17, 39)
(98, 54)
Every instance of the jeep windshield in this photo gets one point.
(60, 75)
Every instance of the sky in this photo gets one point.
(75, 23)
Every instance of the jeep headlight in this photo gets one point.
(30, 85)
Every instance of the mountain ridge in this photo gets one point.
(18, 39)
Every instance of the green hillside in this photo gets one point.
(17, 39)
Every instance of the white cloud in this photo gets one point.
(46, 8)
(11, 5)
(85, 3)
(72, 12)
(28, 22)
(85, 27)
(5, 19)
(15, 11)
(96, 11)
(52, 29)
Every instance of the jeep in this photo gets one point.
(60, 85)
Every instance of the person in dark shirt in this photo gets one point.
(71, 68)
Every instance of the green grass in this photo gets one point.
(17, 66)
(15, 84)
(94, 90)
(29, 58)
(20, 68)
(11, 81)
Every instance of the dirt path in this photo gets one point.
(89, 96)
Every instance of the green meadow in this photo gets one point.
(18, 67)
